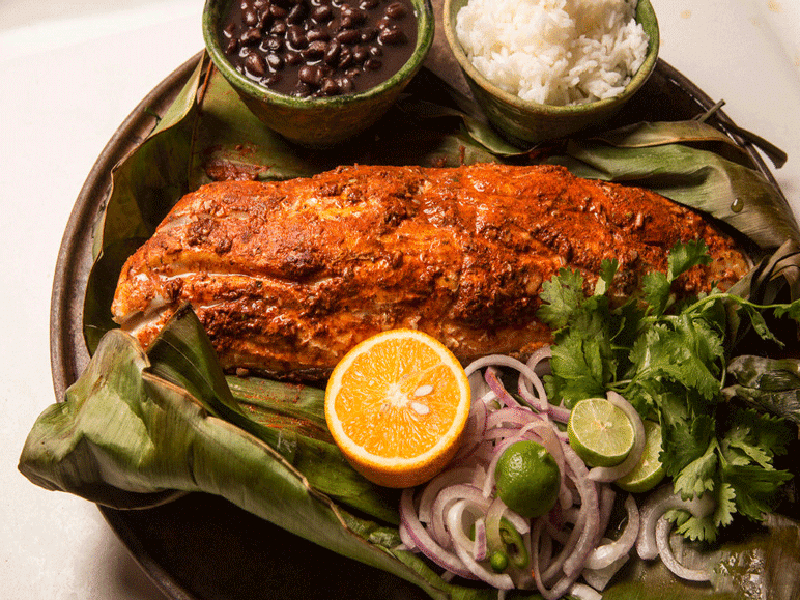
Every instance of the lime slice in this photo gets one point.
(649, 471)
(600, 432)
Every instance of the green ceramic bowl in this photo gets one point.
(317, 122)
(525, 122)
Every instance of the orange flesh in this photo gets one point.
(397, 400)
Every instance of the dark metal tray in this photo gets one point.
(201, 547)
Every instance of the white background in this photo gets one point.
(72, 70)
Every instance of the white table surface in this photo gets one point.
(72, 70)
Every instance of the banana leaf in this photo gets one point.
(766, 566)
(182, 354)
(771, 385)
(138, 428)
(125, 436)
(147, 182)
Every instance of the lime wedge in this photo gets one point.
(649, 471)
(600, 432)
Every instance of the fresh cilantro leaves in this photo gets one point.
(668, 358)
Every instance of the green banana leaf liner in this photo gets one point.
(140, 428)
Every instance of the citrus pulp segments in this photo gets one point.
(396, 406)
(600, 432)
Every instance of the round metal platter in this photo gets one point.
(200, 547)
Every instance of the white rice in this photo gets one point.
(555, 52)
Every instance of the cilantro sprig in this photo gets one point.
(668, 357)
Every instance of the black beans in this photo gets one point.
(396, 10)
(332, 53)
(297, 14)
(294, 58)
(273, 44)
(329, 87)
(360, 54)
(310, 74)
(392, 35)
(322, 14)
(296, 36)
(256, 64)
(275, 62)
(251, 36)
(315, 50)
(314, 35)
(345, 85)
(277, 12)
(345, 58)
(250, 17)
(319, 47)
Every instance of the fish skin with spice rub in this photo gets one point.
(287, 276)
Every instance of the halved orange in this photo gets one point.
(396, 405)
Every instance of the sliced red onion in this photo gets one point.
(468, 485)
(538, 358)
(479, 476)
(558, 413)
(480, 550)
(539, 363)
(459, 534)
(539, 399)
(501, 447)
(492, 377)
(489, 398)
(659, 502)
(530, 398)
(515, 416)
(573, 555)
(606, 554)
(589, 509)
(497, 360)
(663, 529)
(442, 503)
(437, 484)
(536, 535)
(435, 553)
(581, 591)
(520, 523)
(562, 585)
(606, 474)
(500, 581)
(405, 538)
(478, 387)
(599, 578)
(493, 516)
(607, 497)
(502, 432)
(474, 430)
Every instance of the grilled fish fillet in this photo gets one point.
(287, 276)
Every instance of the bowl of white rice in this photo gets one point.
(545, 69)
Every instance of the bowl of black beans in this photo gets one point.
(318, 72)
